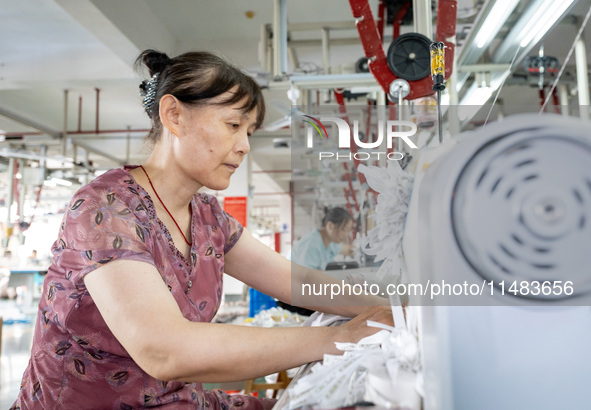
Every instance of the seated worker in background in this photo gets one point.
(319, 247)
(33, 257)
(136, 277)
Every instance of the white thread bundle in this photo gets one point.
(394, 187)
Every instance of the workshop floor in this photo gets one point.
(16, 349)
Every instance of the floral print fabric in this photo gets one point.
(76, 362)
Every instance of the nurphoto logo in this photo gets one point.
(325, 135)
(362, 150)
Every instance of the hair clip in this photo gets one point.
(148, 91)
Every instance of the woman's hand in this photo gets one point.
(347, 250)
(356, 329)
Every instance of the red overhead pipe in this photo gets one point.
(292, 205)
(277, 193)
(273, 171)
(97, 109)
(126, 130)
(27, 133)
(338, 93)
(79, 113)
(343, 110)
(368, 122)
(15, 190)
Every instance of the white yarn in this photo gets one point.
(345, 380)
(394, 187)
(342, 381)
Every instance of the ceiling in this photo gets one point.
(88, 48)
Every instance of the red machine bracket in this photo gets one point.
(371, 40)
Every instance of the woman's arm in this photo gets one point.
(255, 264)
(144, 317)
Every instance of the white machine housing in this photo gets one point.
(510, 201)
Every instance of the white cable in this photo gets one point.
(502, 84)
(577, 37)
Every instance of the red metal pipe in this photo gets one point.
(111, 131)
(445, 30)
(275, 193)
(273, 171)
(79, 113)
(557, 107)
(15, 191)
(97, 108)
(338, 94)
(398, 20)
(28, 133)
(362, 180)
(292, 204)
(346, 192)
(542, 96)
(381, 10)
(368, 122)
(351, 190)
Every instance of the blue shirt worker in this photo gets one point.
(319, 247)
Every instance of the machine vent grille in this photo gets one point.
(520, 209)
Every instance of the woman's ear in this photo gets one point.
(169, 113)
(330, 228)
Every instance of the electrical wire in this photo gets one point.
(502, 84)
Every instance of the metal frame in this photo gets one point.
(371, 40)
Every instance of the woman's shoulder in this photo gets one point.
(209, 212)
(113, 178)
(115, 184)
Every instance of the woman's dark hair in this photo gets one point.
(338, 216)
(195, 78)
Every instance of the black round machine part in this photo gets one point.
(409, 56)
(362, 65)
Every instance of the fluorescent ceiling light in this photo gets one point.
(544, 18)
(552, 19)
(494, 21)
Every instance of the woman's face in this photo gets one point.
(214, 141)
(339, 234)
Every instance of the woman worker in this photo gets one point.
(319, 247)
(137, 267)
